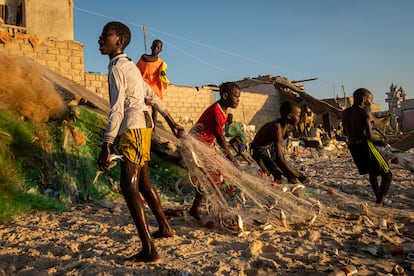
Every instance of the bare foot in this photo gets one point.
(142, 257)
(163, 234)
(194, 214)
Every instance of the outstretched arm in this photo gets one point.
(292, 174)
(224, 146)
(152, 99)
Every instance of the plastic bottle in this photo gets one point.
(345, 271)
(397, 249)
(283, 219)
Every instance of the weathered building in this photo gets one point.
(45, 18)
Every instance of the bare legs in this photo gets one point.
(153, 200)
(196, 205)
(382, 190)
(135, 180)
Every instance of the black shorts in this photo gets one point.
(263, 157)
(368, 159)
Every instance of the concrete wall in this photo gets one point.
(63, 57)
(47, 18)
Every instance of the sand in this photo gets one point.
(95, 238)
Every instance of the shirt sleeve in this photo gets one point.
(154, 100)
(117, 99)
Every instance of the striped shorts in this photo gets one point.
(135, 144)
(368, 159)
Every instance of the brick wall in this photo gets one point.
(185, 103)
(63, 57)
(97, 83)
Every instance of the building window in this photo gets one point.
(11, 13)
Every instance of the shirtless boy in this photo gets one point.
(267, 148)
(357, 125)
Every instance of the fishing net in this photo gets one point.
(233, 193)
(348, 196)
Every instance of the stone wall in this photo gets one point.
(63, 57)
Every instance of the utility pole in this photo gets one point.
(144, 29)
(343, 91)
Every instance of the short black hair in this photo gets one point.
(156, 41)
(359, 95)
(228, 87)
(287, 107)
(121, 30)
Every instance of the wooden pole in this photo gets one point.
(144, 29)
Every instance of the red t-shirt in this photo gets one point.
(210, 124)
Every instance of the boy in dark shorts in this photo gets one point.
(209, 129)
(130, 120)
(267, 148)
(357, 125)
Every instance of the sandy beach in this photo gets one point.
(95, 238)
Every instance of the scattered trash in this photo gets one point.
(364, 209)
(371, 249)
(398, 270)
(345, 271)
(267, 226)
(331, 191)
(368, 221)
(283, 218)
(312, 220)
(184, 273)
(382, 223)
(210, 224)
(393, 249)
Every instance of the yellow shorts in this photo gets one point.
(135, 144)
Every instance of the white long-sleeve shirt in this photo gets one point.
(127, 92)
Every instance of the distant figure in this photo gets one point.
(130, 124)
(209, 129)
(267, 148)
(316, 134)
(154, 71)
(234, 130)
(238, 141)
(357, 125)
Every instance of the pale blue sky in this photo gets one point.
(354, 43)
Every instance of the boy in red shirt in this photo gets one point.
(209, 129)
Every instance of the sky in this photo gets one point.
(345, 44)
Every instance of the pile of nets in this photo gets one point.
(233, 193)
